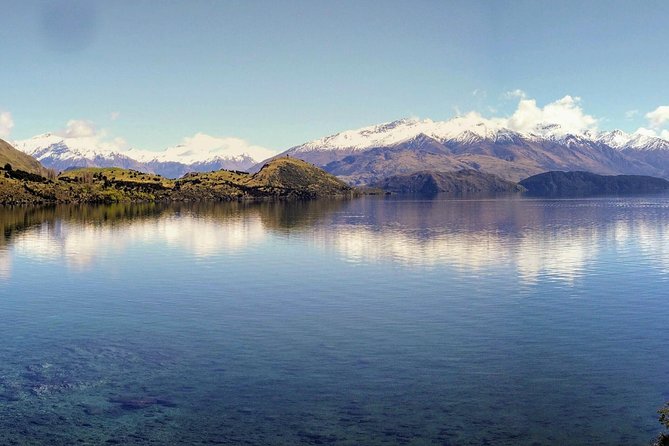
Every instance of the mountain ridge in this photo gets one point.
(371, 153)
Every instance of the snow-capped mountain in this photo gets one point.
(634, 141)
(199, 153)
(392, 133)
(371, 153)
(61, 153)
(468, 128)
(616, 138)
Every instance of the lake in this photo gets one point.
(380, 320)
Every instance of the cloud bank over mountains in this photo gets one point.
(659, 116)
(201, 146)
(88, 135)
(6, 124)
(566, 112)
(658, 120)
(569, 114)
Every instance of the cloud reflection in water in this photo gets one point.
(556, 240)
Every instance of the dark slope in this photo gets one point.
(578, 184)
(19, 160)
(459, 182)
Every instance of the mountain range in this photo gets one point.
(200, 153)
(370, 154)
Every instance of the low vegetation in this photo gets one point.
(663, 438)
(282, 178)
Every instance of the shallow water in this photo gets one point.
(371, 321)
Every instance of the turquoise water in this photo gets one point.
(371, 321)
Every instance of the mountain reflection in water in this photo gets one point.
(532, 238)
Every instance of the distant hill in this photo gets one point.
(19, 160)
(280, 179)
(574, 184)
(458, 182)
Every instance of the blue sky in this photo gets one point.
(279, 73)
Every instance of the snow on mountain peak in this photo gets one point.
(472, 127)
(395, 132)
(643, 141)
(199, 148)
(616, 138)
(83, 147)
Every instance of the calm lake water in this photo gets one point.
(364, 322)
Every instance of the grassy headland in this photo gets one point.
(281, 178)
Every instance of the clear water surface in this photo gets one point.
(372, 321)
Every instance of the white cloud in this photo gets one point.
(201, 146)
(78, 128)
(479, 93)
(565, 112)
(517, 93)
(83, 133)
(114, 115)
(653, 133)
(646, 132)
(6, 124)
(629, 114)
(659, 116)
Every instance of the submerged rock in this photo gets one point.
(10, 396)
(134, 403)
